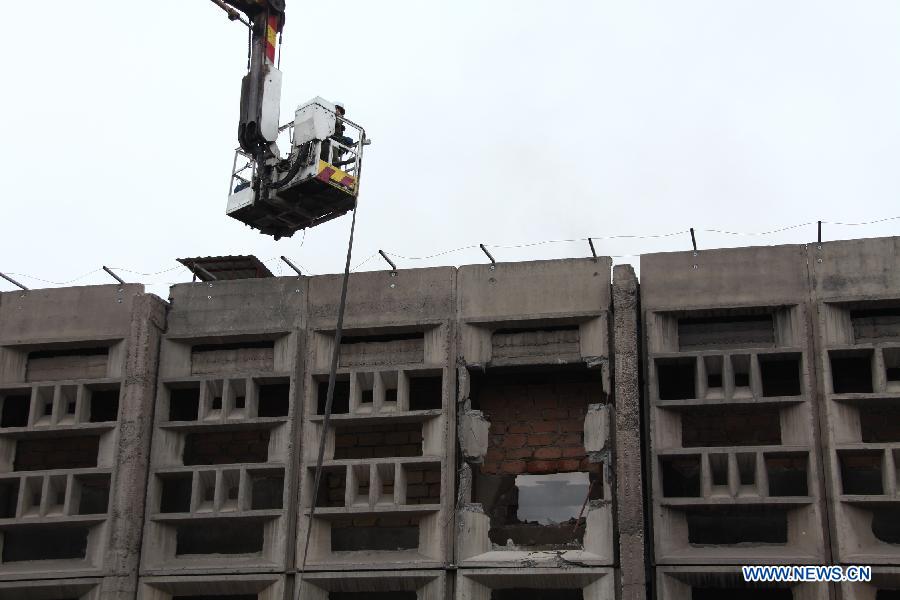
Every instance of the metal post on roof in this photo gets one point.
(389, 261)
(693, 239)
(593, 250)
(820, 232)
(485, 250)
(13, 281)
(113, 275)
(291, 265)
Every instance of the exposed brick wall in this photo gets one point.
(226, 447)
(730, 426)
(56, 453)
(378, 441)
(537, 425)
(423, 484)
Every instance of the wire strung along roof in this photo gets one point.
(219, 268)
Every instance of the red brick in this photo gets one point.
(545, 427)
(546, 453)
(494, 454)
(513, 466)
(570, 439)
(542, 466)
(517, 453)
(490, 468)
(555, 414)
(519, 428)
(566, 466)
(572, 425)
(542, 439)
(414, 477)
(514, 440)
(397, 437)
(432, 476)
(573, 453)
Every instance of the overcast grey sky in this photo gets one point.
(503, 122)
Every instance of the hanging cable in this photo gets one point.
(329, 397)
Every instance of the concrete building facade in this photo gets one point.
(548, 429)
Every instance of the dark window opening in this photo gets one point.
(888, 595)
(240, 402)
(239, 537)
(736, 525)
(226, 447)
(886, 525)
(15, 410)
(184, 404)
(9, 496)
(733, 331)
(892, 368)
(367, 397)
(787, 475)
(267, 490)
(41, 542)
(537, 511)
(718, 465)
(879, 423)
(740, 367)
(851, 373)
(333, 487)
(425, 393)
(45, 454)
(710, 426)
(567, 382)
(372, 596)
(706, 593)
(681, 476)
(216, 403)
(423, 483)
(218, 597)
(94, 494)
(676, 378)
(349, 536)
(746, 464)
(861, 473)
(104, 406)
(875, 324)
(274, 399)
(780, 374)
(377, 441)
(340, 402)
(176, 493)
(536, 594)
(713, 366)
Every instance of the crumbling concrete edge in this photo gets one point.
(629, 490)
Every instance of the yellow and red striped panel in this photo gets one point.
(271, 38)
(334, 176)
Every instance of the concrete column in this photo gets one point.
(629, 476)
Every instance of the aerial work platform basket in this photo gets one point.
(317, 181)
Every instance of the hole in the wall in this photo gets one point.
(176, 493)
(231, 488)
(66, 364)
(874, 324)
(712, 593)
(861, 472)
(385, 492)
(241, 536)
(386, 534)
(886, 524)
(333, 487)
(42, 542)
(746, 464)
(780, 374)
(388, 348)
(851, 371)
(537, 511)
(377, 441)
(711, 426)
(16, 406)
(46, 454)
(361, 491)
(233, 357)
(740, 369)
(340, 402)
(425, 392)
(93, 494)
(536, 594)
(892, 369)
(226, 447)
(681, 476)
(9, 496)
(45, 401)
(104, 405)
(737, 525)
(423, 483)
(267, 490)
(184, 403)
(879, 422)
(787, 474)
(727, 331)
(676, 378)
(714, 383)
(274, 399)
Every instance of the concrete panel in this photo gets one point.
(856, 269)
(757, 276)
(66, 314)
